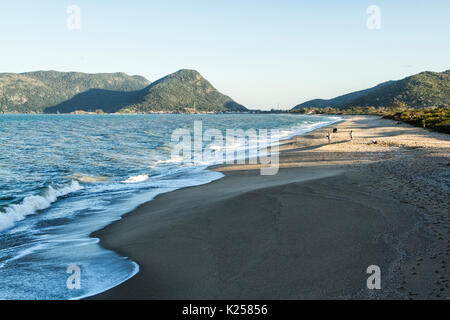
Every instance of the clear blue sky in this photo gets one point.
(261, 53)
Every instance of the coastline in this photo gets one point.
(308, 232)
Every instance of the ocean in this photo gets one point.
(63, 177)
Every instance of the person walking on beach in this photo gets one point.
(351, 135)
(329, 137)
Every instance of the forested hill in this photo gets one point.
(425, 89)
(182, 91)
(35, 91)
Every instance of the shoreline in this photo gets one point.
(170, 270)
(282, 141)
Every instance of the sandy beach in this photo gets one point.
(309, 232)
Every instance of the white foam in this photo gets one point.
(170, 160)
(136, 179)
(31, 204)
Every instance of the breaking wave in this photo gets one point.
(32, 204)
(136, 179)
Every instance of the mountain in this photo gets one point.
(343, 100)
(92, 100)
(421, 90)
(177, 92)
(34, 91)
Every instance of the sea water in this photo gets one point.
(63, 177)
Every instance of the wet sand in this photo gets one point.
(309, 232)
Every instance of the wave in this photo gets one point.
(32, 204)
(88, 178)
(136, 179)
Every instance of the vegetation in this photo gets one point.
(418, 91)
(32, 92)
(65, 92)
(437, 119)
(180, 92)
(420, 100)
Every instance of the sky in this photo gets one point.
(264, 54)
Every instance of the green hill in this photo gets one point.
(34, 91)
(177, 92)
(418, 91)
(108, 101)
